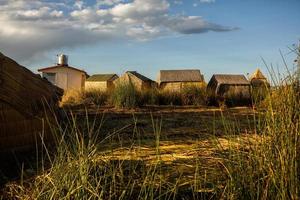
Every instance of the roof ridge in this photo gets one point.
(101, 77)
(231, 79)
(257, 75)
(57, 66)
(139, 76)
(180, 75)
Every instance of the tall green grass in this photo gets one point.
(124, 95)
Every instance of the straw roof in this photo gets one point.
(257, 75)
(139, 76)
(231, 79)
(101, 77)
(189, 75)
(25, 91)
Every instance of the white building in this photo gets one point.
(64, 76)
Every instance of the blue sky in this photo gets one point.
(226, 36)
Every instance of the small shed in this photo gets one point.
(257, 79)
(175, 80)
(64, 76)
(138, 80)
(27, 106)
(101, 82)
(260, 85)
(230, 89)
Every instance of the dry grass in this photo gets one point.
(181, 159)
(127, 96)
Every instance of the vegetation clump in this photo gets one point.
(73, 97)
(97, 97)
(193, 95)
(125, 95)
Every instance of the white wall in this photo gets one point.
(67, 79)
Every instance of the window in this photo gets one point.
(50, 77)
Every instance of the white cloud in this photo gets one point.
(144, 32)
(78, 4)
(194, 25)
(178, 2)
(37, 14)
(30, 27)
(207, 1)
(140, 8)
(56, 13)
(108, 2)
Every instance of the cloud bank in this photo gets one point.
(31, 27)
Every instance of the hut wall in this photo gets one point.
(139, 84)
(235, 92)
(146, 85)
(96, 85)
(260, 89)
(28, 132)
(99, 85)
(68, 79)
(110, 85)
(177, 86)
(260, 83)
(126, 79)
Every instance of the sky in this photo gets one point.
(113, 36)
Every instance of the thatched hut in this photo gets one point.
(175, 80)
(26, 99)
(257, 79)
(139, 81)
(229, 89)
(260, 85)
(100, 82)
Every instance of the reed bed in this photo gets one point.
(125, 95)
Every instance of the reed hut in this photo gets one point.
(27, 104)
(175, 80)
(229, 89)
(257, 79)
(100, 82)
(139, 81)
(260, 85)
